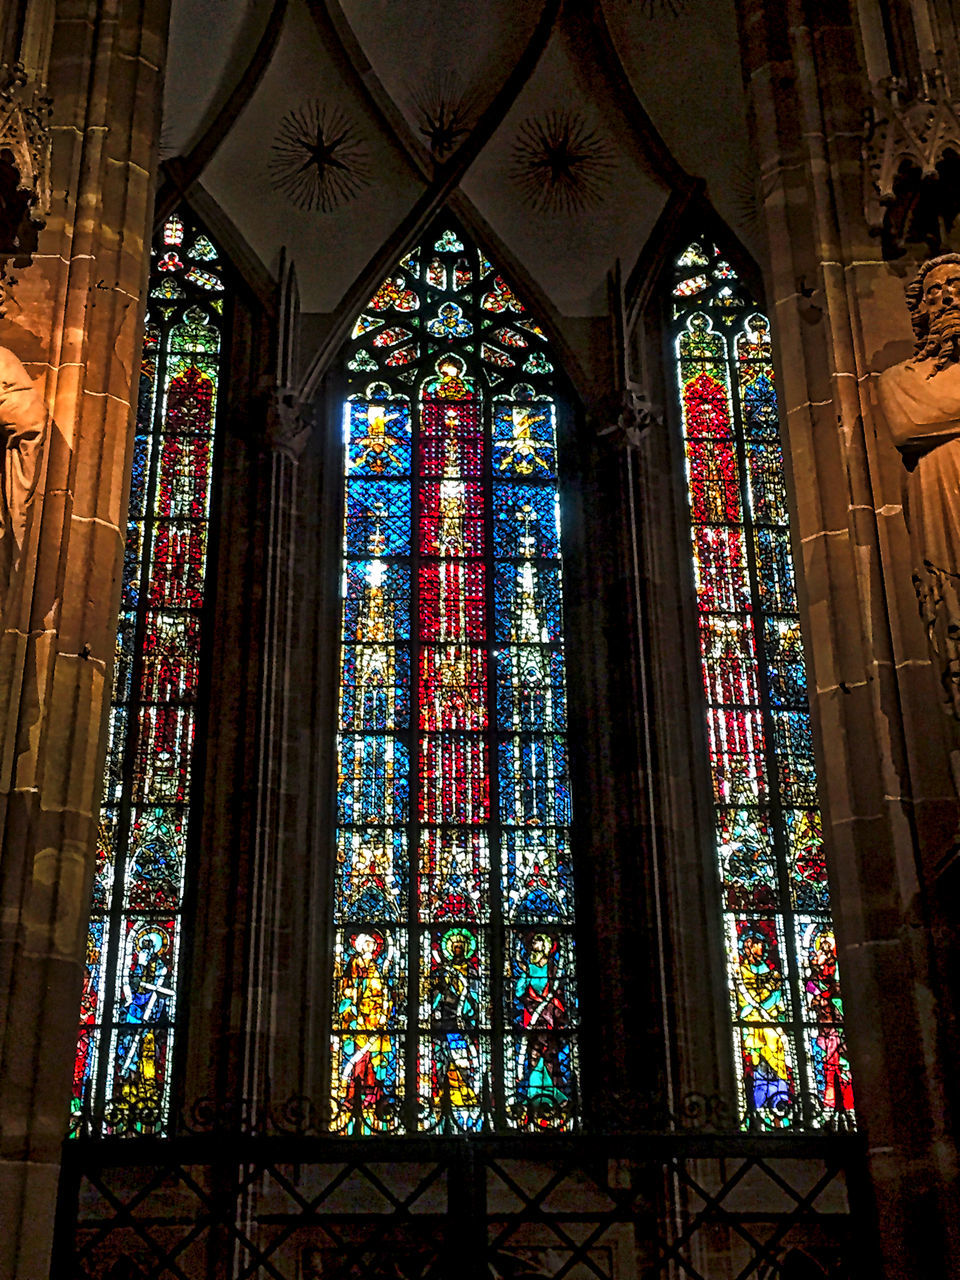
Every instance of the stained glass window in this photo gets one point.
(785, 1004)
(454, 994)
(129, 1010)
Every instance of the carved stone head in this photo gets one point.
(934, 302)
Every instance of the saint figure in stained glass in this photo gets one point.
(128, 1021)
(454, 808)
(789, 1048)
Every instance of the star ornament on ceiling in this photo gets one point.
(444, 111)
(560, 164)
(318, 159)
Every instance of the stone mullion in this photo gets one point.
(806, 98)
(286, 437)
(77, 316)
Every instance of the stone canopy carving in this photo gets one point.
(24, 164)
(921, 400)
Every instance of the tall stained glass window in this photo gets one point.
(454, 1005)
(785, 1005)
(129, 1015)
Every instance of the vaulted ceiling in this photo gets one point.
(561, 128)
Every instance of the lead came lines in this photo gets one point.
(480, 689)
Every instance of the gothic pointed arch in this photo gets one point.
(781, 974)
(454, 991)
(131, 1017)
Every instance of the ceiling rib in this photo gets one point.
(586, 30)
(180, 172)
(343, 45)
(447, 177)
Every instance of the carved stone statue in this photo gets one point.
(23, 424)
(921, 400)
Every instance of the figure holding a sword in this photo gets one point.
(541, 1009)
(146, 991)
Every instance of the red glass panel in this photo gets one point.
(714, 482)
(452, 600)
(706, 407)
(451, 518)
(454, 779)
(453, 687)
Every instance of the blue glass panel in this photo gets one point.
(778, 591)
(374, 780)
(530, 689)
(528, 602)
(392, 579)
(123, 657)
(768, 493)
(132, 554)
(378, 438)
(793, 743)
(534, 782)
(375, 687)
(786, 672)
(138, 483)
(378, 517)
(527, 514)
(537, 875)
(760, 409)
(524, 440)
(372, 877)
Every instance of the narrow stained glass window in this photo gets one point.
(129, 1015)
(454, 1005)
(786, 1010)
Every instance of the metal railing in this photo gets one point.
(265, 1195)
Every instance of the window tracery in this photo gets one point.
(129, 1015)
(785, 1002)
(454, 1003)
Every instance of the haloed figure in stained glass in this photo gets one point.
(831, 1065)
(455, 1013)
(365, 1008)
(127, 1033)
(146, 989)
(454, 807)
(759, 991)
(543, 1078)
(788, 1036)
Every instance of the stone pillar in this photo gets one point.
(75, 319)
(272, 990)
(889, 805)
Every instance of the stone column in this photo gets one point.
(889, 805)
(75, 319)
(274, 986)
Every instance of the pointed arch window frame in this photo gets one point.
(132, 997)
(492, 350)
(791, 928)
